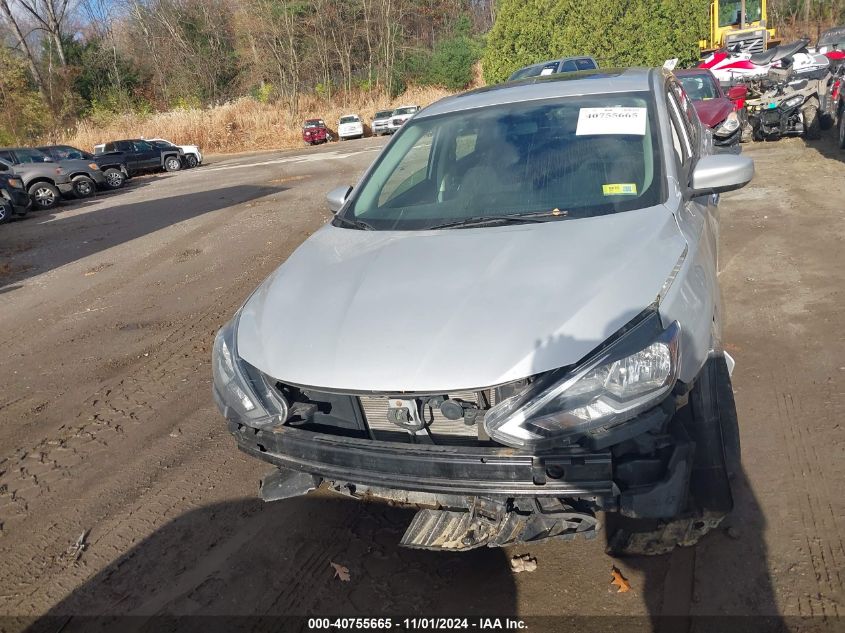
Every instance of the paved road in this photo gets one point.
(108, 309)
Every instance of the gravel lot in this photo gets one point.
(108, 309)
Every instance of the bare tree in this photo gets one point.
(22, 44)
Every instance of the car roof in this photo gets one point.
(350, 114)
(686, 72)
(585, 82)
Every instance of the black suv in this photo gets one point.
(14, 200)
(140, 156)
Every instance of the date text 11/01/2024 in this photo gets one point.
(416, 624)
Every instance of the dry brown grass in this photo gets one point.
(241, 125)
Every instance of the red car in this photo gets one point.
(314, 132)
(717, 110)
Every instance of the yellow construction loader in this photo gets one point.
(738, 23)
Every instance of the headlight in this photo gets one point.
(794, 101)
(94, 166)
(623, 379)
(15, 182)
(240, 392)
(728, 126)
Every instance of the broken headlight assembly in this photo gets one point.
(239, 390)
(631, 374)
(728, 126)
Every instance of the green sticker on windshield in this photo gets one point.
(622, 189)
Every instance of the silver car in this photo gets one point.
(512, 323)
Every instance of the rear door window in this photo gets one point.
(585, 64)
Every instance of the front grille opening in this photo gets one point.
(366, 416)
(440, 430)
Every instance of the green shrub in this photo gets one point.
(632, 33)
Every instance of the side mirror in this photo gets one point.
(337, 197)
(737, 92)
(719, 173)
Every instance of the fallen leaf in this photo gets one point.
(523, 563)
(341, 572)
(619, 580)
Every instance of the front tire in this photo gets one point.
(115, 179)
(44, 195)
(710, 422)
(172, 163)
(842, 128)
(83, 187)
(191, 161)
(6, 213)
(812, 122)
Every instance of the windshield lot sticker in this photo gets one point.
(622, 189)
(615, 120)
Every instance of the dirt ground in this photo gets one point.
(109, 437)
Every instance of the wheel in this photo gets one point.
(83, 187)
(172, 163)
(115, 178)
(812, 124)
(710, 421)
(842, 128)
(44, 195)
(5, 213)
(826, 121)
(191, 161)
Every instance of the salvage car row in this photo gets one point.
(40, 177)
(352, 126)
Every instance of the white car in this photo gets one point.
(400, 115)
(193, 155)
(350, 126)
(381, 122)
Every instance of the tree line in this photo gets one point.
(67, 59)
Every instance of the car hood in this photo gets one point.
(72, 164)
(440, 311)
(713, 111)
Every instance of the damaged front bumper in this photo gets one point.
(474, 496)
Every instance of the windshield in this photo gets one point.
(314, 123)
(698, 87)
(571, 158)
(348, 119)
(65, 152)
(383, 114)
(729, 12)
(405, 110)
(31, 156)
(833, 37)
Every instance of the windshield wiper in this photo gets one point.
(355, 224)
(515, 218)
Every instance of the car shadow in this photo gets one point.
(242, 564)
(827, 145)
(53, 239)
